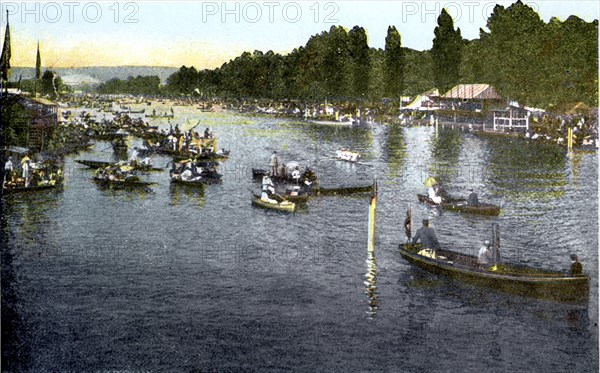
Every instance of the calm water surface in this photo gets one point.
(178, 279)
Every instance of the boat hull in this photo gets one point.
(122, 184)
(208, 179)
(273, 206)
(517, 280)
(460, 205)
(101, 164)
(29, 189)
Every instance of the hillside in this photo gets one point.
(96, 74)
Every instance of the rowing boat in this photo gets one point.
(102, 164)
(510, 278)
(344, 190)
(204, 178)
(14, 190)
(179, 156)
(279, 206)
(258, 174)
(461, 205)
(125, 184)
(297, 195)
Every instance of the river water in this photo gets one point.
(178, 279)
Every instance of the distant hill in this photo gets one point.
(96, 74)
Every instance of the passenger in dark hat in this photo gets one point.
(576, 266)
(427, 236)
(473, 199)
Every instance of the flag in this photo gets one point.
(5, 57)
(38, 64)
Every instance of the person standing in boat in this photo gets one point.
(485, 257)
(427, 236)
(274, 163)
(25, 166)
(8, 169)
(576, 266)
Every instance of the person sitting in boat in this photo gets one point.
(427, 236)
(432, 193)
(188, 175)
(473, 199)
(207, 133)
(267, 184)
(485, 257)
(576, 266)
(309, 176)
(265, 197)
(296, 174)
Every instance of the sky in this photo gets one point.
(207, 34)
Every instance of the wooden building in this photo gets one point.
(43, 123)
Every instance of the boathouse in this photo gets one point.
(43, 123)
(469, 97)
(35, 121)
(511, 119)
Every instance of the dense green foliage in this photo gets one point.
(524, 58)
(15, 121)
(446, 53)
(140, 85)
(51, 84)
(394, 63)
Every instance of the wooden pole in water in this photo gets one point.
(570, 139)
(372, 218)
(496, 242)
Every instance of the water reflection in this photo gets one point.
(31, 211)
(395, 148)
(371, 284)
(523, 171)
(182, 193)
(445, 151)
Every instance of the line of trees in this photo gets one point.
(526, 59)
(139, 85)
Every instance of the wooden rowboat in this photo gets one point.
(205, 178)
(344, 190)
(102, 164)
(279, 206)
(505, 277)
(122, 184)
(9, 190)
(460, 205)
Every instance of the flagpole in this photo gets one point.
(5, 57)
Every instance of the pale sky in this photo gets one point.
(207, 34)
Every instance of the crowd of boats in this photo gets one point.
(284, 186)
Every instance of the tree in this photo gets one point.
(394, 63)
(360, 56)
(335, 64)
(51, 83)
(515, 43)
(184, 81)
(446, 53)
